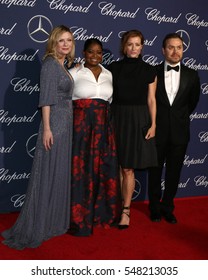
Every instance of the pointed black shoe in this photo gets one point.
(123, 226)
(127, 214)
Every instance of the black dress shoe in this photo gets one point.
(170, 218)
(155, 216)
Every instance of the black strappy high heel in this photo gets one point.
(127, 214)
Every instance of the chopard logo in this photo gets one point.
(8, 178)
(203, 136)
(204, 88)
(193, 64)
(7, 150)
(7, 31)
(151, 59)
(108, 9)
(58, 5)
(193, 19)
(81, 34)
(201, 181)
(181, 185)
(4, 118)
(186, 39)
(154, 15)
(23, 85)
(4, 55)
(188, 162)
(198, 116)
(18, 200)
(39, 28)
(25, 3)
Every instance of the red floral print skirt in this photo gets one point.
(96, 193)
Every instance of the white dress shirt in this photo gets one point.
(86, 86)
(172, 80)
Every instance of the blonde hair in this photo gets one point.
(53, 40)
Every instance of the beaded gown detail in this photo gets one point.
(46, 209)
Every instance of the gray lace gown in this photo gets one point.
(46, 210)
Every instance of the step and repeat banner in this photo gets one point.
(24, 29)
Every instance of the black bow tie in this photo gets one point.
(176, 68)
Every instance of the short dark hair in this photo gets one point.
(92, 41)
(171, 36)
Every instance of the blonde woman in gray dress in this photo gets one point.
(46, 210)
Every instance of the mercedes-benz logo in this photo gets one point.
(137, 189)
(206, 44)
(39, 28)
(30, 145)
(186, 39)
(120, 34)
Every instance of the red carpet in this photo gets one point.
(144, 240)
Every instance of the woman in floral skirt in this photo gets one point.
(96, 198)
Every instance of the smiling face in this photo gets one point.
(133, 47)
(173, 50)
(93, 55)
(64, 44)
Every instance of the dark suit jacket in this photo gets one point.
(173, 122)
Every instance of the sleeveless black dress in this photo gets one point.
(131, 77)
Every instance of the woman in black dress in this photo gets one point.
(134, 112)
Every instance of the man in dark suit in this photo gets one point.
(177, 94)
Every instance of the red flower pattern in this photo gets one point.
(96, 196)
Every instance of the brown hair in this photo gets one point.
(128, 34)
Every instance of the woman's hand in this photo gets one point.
(47, 139)
(150, 133)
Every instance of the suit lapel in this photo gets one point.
(182, 83)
